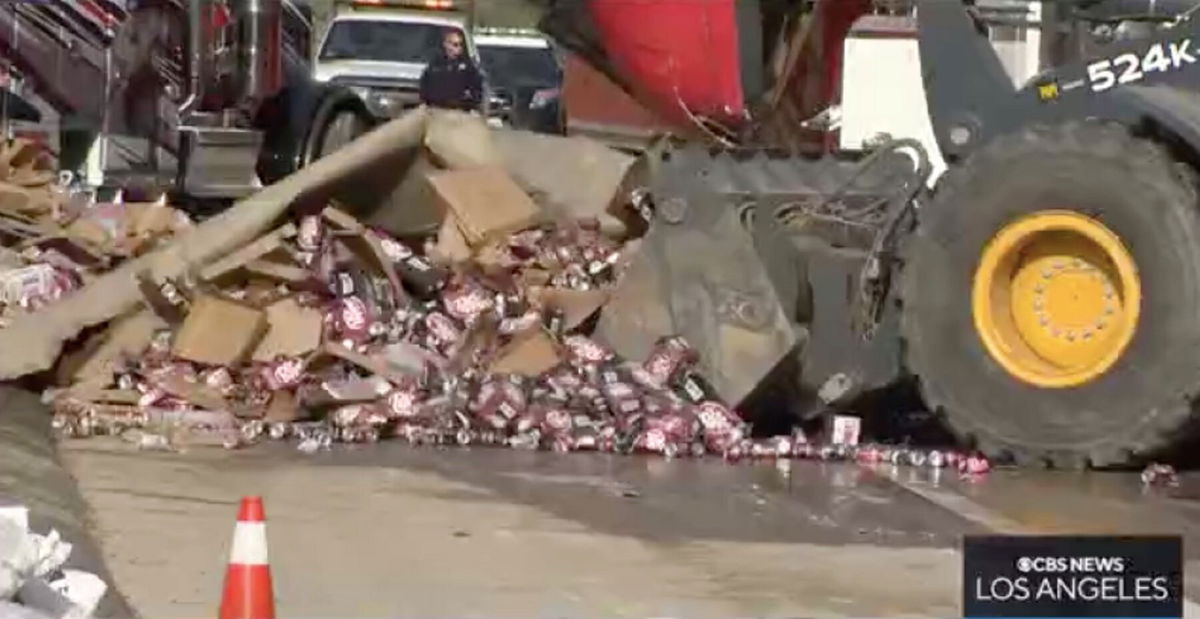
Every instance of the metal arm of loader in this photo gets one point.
(971, 99)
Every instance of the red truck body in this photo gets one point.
(692, 62)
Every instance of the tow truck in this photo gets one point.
(207, 100)
(379, 48)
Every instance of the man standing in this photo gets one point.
(451, 79)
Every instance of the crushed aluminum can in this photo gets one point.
(652, 440)
(341, 284)
(279, 430)
(622, 398)
(443, 329)
(283, 374)
(310, 233)
(975, 464)
(692, 386)
(555, 422)
(352, 415)
(555, 322)
(937, 459)
(1160, 475)
(869, 454)
(530, 440)
(466, 299)
(716, 417)
(351, 320)
(680, 426)
(781, 446)
(425, 279)
(586, 350)
(395, 251)
(525, 422)
(253, 430)
(219, 378)
(524, 322)
(669, 356)
(917, 457)
(403, 402)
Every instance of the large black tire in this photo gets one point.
(341, 127)
(1142, 404)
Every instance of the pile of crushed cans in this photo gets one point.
(446, 322)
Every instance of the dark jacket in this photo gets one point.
(456, 84)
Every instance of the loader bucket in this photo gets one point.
(760, 262)
(698, 274)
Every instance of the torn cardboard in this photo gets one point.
(451, 247)
(278, 271)
(576, 305)
(572, 177)
(530, 354)
(127, 337)
(283, 407)
(293, 331)
(219, 331)
(486, 202)
(255, 250)
(460, 140)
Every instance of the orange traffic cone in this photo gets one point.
(248, 591)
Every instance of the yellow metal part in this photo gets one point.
(1056, 298)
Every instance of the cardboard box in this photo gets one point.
(128, 336)
(258, 248)
(487, 203)
(219, 331)
(451, 247)
(293, 330)
(283, 407)
(279, 271)
(530, 354)
(576, 305)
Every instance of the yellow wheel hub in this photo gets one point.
(1056, 298)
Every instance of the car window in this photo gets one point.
(519, 66)
(384, 40)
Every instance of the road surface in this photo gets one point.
(388, 530)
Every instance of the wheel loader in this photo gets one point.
(1043, 292)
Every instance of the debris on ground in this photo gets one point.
(1160, 475)
(33, 582)
(313, 325)
(54, 241)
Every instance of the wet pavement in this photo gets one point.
(388, 530)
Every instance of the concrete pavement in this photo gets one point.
(387, 531)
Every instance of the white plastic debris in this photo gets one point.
(10, 610)
(31, 573)
(84, 589)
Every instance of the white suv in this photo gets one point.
(381, 53)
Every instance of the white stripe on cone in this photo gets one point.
(249, 544)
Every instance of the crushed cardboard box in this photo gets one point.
(486, 203)
(219, 331)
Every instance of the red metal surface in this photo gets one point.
(595, 103)
(820, 69)
(679, 55)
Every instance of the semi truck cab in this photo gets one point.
(379, 49)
